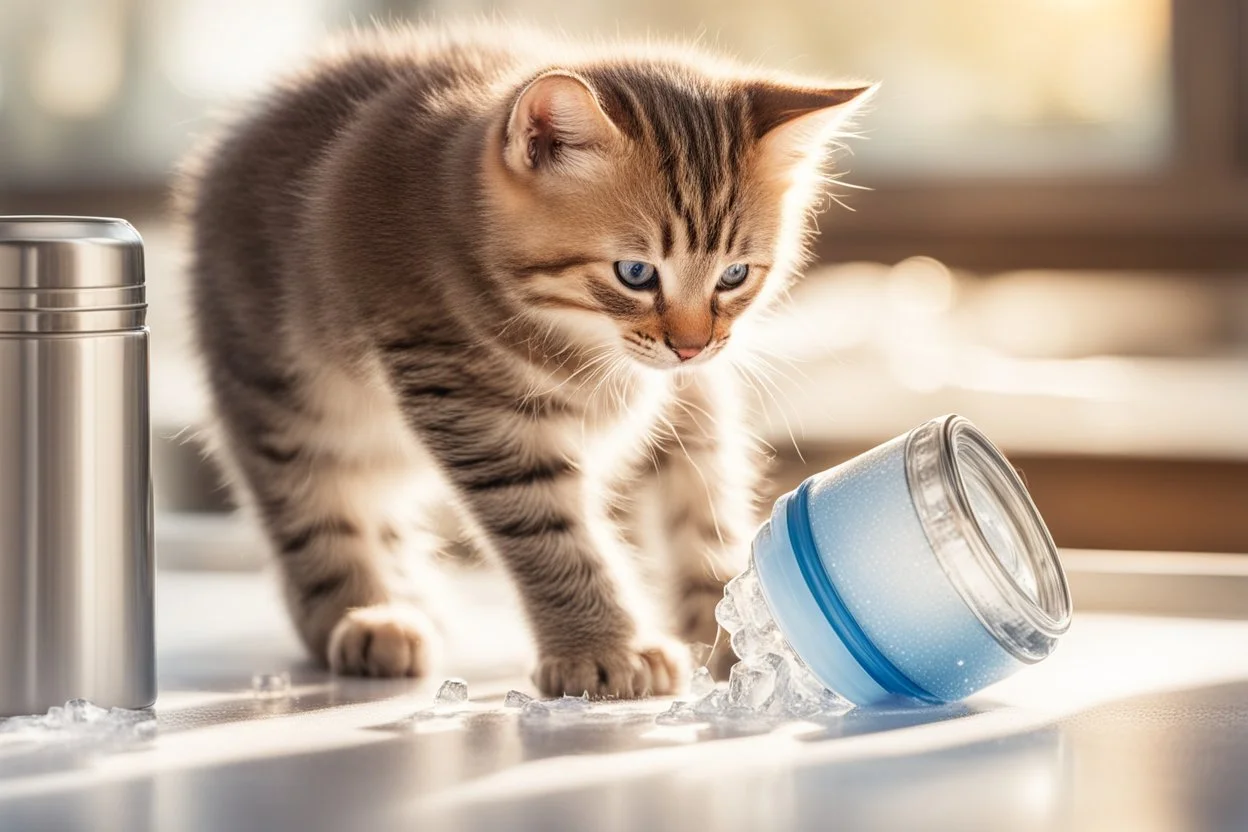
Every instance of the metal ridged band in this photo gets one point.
(70, 321)
(878, 666)
(97, 297)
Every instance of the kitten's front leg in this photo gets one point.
(515, 471)
(703, 504)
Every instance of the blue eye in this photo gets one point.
(734, 276)
(637, 275)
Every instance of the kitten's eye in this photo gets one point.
(637, 275)
(734, 276)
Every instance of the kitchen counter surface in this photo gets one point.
(1136, 723)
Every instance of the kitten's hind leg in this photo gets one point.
(357, 593)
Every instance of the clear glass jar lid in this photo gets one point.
(988, 536)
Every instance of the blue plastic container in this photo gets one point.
(919, 569)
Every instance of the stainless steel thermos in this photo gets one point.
(76, 561)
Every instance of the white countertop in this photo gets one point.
(1135, 723)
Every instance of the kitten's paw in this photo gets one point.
(659, 668)
(384, 640)
(695, 616)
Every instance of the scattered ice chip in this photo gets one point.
(270, 685)
(699, 654)
(712, 703)
(563, 711)
(81, 721)
(534, 709)
(516, 699)
(701, 683)
(749, 685)
(568, 704)
(452, 692)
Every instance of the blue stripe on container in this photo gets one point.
(886, 674)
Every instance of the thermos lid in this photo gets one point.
(69, 275)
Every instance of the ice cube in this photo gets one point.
(770, 639)
(832, 705)
(516, 699)
(712, 703)
(701, 683)
(747, 596)
(803, 683)
(746, 645)
(452, 692)
(749, 685)
(805, 707)
(699, 654)
(753, 605)
(735, 591)
(679, 713)
(781, 687)
(727, 615)
(803, 696)
(80, 711)
(270, 685)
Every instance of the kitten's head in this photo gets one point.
(647, 206)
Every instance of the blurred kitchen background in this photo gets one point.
(1054, 243)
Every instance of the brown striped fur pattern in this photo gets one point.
(403, 263)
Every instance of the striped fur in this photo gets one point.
(403, 264)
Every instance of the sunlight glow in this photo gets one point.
(921, 287)
(259, 38)
(76, 66)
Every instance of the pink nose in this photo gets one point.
(685, 353)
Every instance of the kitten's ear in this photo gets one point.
(799, 120)
(558, 125)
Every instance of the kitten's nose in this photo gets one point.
(688, 332)
(685, 353)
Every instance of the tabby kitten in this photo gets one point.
(517, 263)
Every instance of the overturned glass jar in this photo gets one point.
(920, 569)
